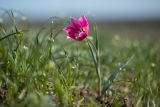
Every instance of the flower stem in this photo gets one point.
(95, 58)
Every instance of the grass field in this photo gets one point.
(39, 67)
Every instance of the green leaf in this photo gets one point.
(109, 82)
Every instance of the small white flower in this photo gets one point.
(25, 47)
(24, 18)
(52, 22)
(51, 92)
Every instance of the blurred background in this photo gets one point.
(123, 17)
(115, 10)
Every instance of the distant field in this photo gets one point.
(137, 29)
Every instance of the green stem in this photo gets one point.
(96, 62)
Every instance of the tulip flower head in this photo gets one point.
(78, 29)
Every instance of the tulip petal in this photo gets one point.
(71, 38)
(81, 36)
(70, 30)
(75, 23)
(83, 21)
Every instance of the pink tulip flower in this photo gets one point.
(78, 29)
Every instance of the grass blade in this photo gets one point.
(96, 63)
(108, 83)
(9, 35)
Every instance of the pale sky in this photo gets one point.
(98, 9)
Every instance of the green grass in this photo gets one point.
(40, 67)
